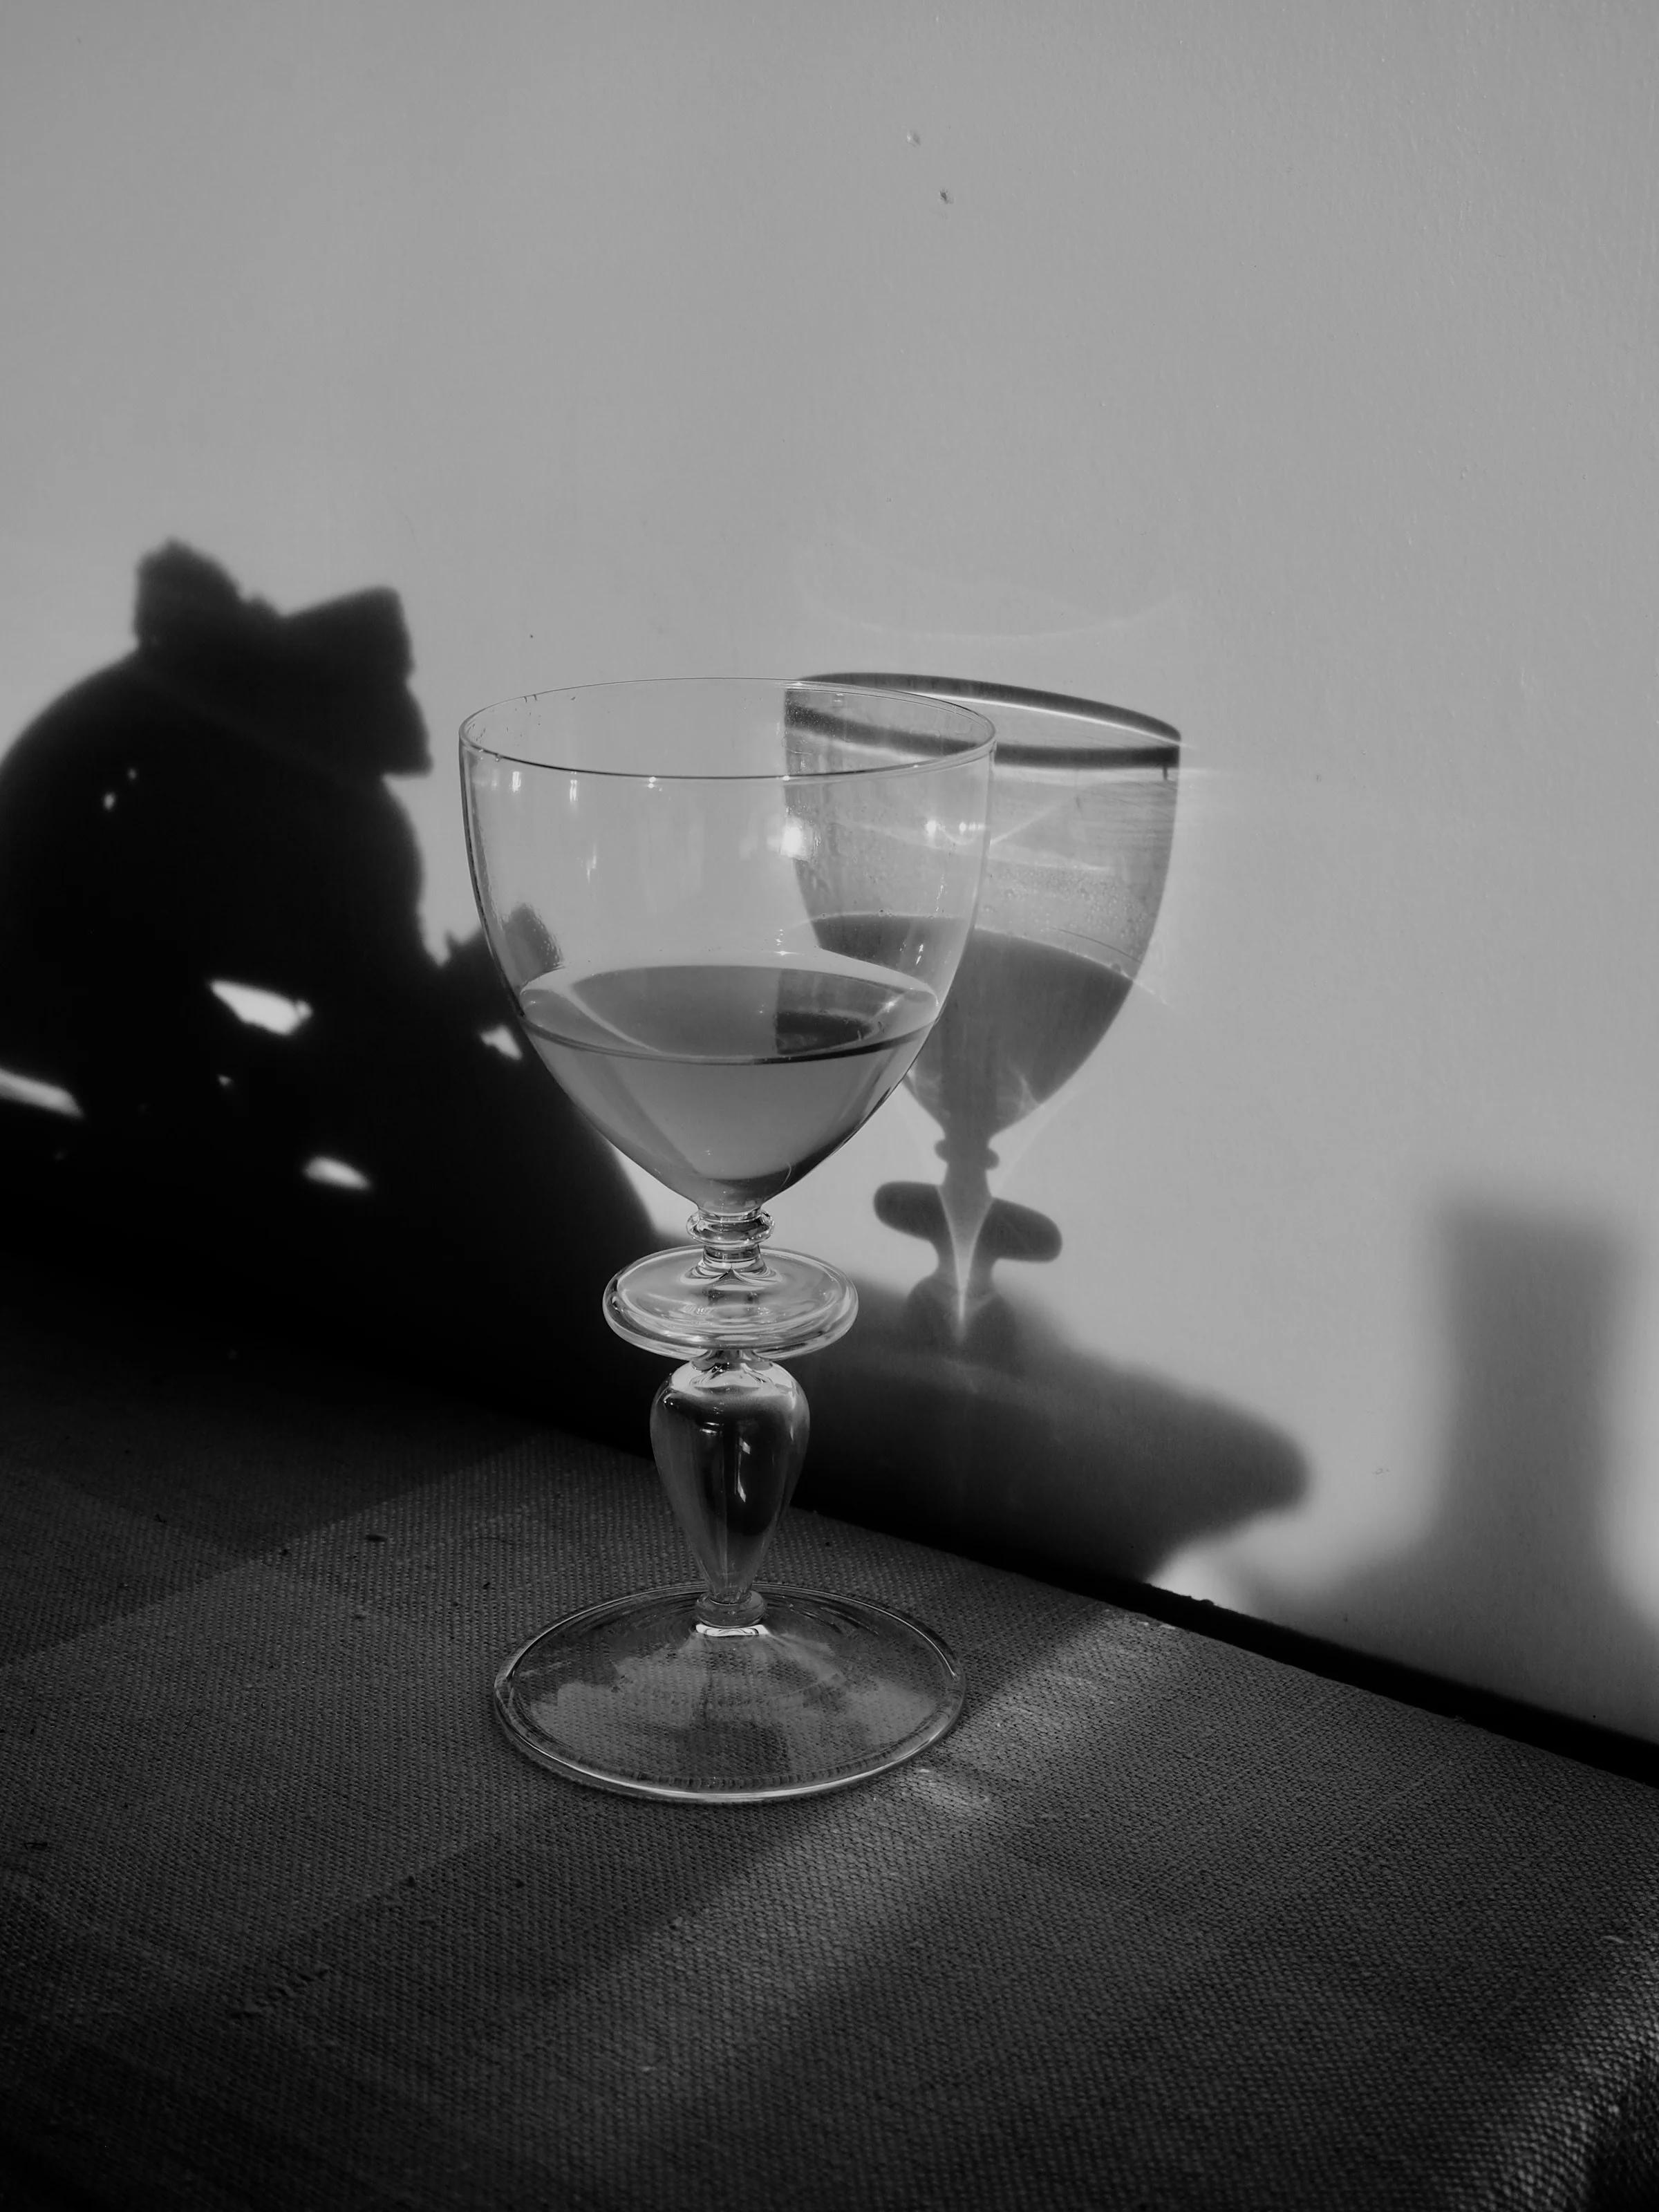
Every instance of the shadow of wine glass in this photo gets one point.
(228, 1062)
(1082, 816)
(958, 1414)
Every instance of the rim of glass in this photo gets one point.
(977, 735)
(1141, 740)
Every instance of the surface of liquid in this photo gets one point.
(727, 1083)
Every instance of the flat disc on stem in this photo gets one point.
(785, 1305)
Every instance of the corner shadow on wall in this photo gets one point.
(229, 1067)
(1509, 1587)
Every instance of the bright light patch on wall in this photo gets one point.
(24, 1091)
(503, 1040)
(261, 1009)
(335, 1175)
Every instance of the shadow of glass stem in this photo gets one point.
(955, 1307)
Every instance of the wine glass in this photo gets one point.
(1082, 817)
(728, 913)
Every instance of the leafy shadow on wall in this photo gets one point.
(228, 1065)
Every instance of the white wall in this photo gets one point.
(1282, 368)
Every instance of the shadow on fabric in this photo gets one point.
(228, 1065)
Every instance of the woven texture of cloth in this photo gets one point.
(285, 1922)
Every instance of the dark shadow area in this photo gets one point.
(1510, 1583)
(231, 1073)
(1015, 1448)
(229, 1067)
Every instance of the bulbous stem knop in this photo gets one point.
(730, 1241)
(729, 1432)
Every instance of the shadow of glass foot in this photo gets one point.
(228, 1061)
(1012, 1444)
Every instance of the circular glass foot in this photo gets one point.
(637, 1695)
(784, 1303)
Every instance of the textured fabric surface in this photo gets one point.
(286, 1923)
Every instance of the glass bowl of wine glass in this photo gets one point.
(728, 911)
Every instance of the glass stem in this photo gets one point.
(730, 1241)
(729, 1432)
